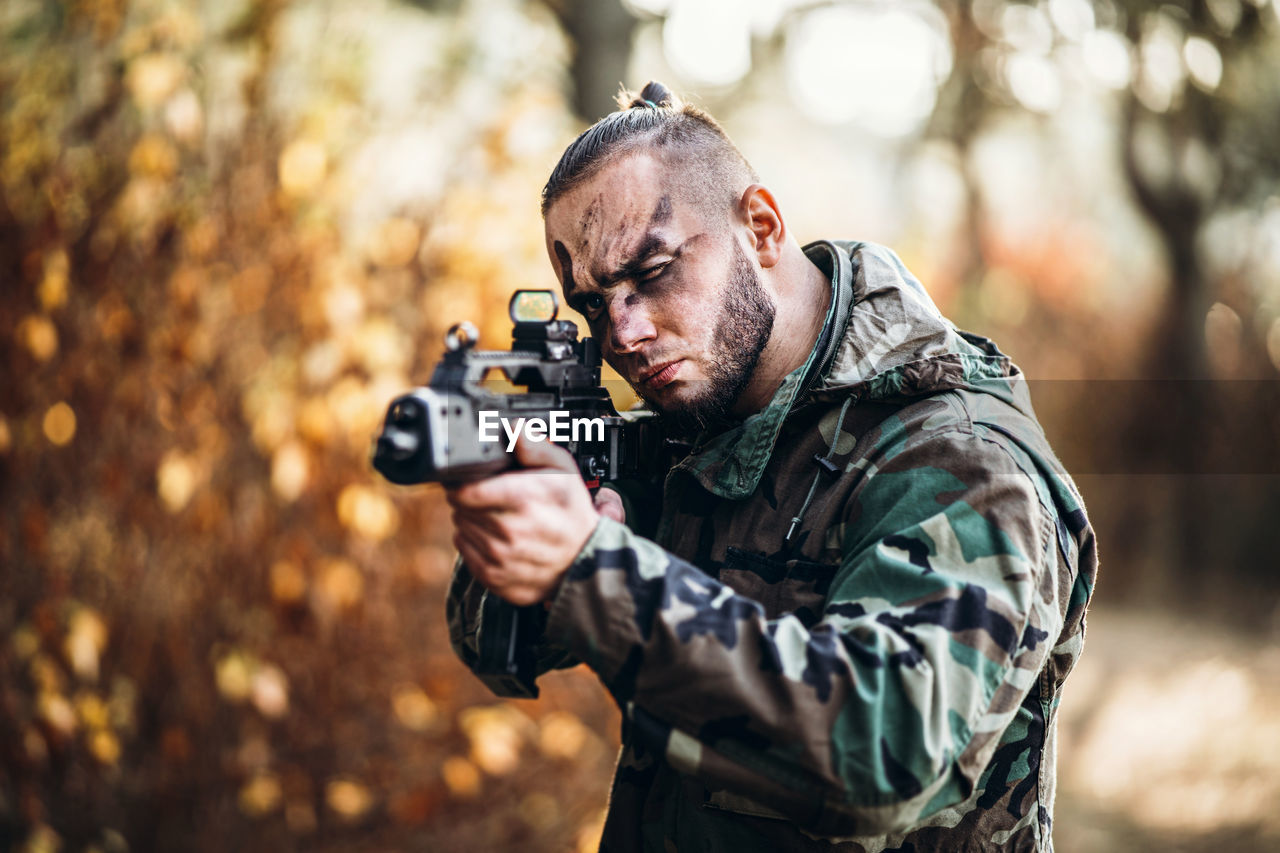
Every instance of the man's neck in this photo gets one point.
(803, 293)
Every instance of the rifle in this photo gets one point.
(437, 434)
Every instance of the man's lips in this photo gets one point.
(663, 374)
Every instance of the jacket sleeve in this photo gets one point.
(463, 609)
(464, 604)
(886, 710)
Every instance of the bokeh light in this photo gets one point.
(1107, 58)
(714, 61)
(875, 66)
(60, 424)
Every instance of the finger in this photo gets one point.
(495, 493)
(513, 491)
(495, 577)
(609, 504)
(471, 558)
(477, 550)
(459, 496)
(491, 523)
(461, 492)
(544, 454)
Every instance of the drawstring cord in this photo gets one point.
(825, 466)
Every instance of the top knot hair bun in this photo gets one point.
(654, 95)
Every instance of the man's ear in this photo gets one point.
(759, 210)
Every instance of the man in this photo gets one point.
(850, 626)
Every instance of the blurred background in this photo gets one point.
(231, 231)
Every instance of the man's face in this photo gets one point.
(675, 302)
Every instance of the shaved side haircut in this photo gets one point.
(713, 170)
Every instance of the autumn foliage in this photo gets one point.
(218, 628)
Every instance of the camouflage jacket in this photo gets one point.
(851, 627)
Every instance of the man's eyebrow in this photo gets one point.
(651, 245)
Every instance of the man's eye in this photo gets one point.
(593, 302)
(652, 272)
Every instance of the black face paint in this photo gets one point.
(589, 217)
(661, 213)
(566, 266)
(650, 244)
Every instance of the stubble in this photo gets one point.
(743, 325)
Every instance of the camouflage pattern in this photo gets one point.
(851, 628)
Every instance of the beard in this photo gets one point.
(743, 325)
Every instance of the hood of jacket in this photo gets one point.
(883, 338)
(894, 342)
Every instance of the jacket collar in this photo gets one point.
(882, 337)
(729, 463)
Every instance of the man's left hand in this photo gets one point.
(519, 531)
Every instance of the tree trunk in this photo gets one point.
(600, 32)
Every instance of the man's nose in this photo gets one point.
(630, 325)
